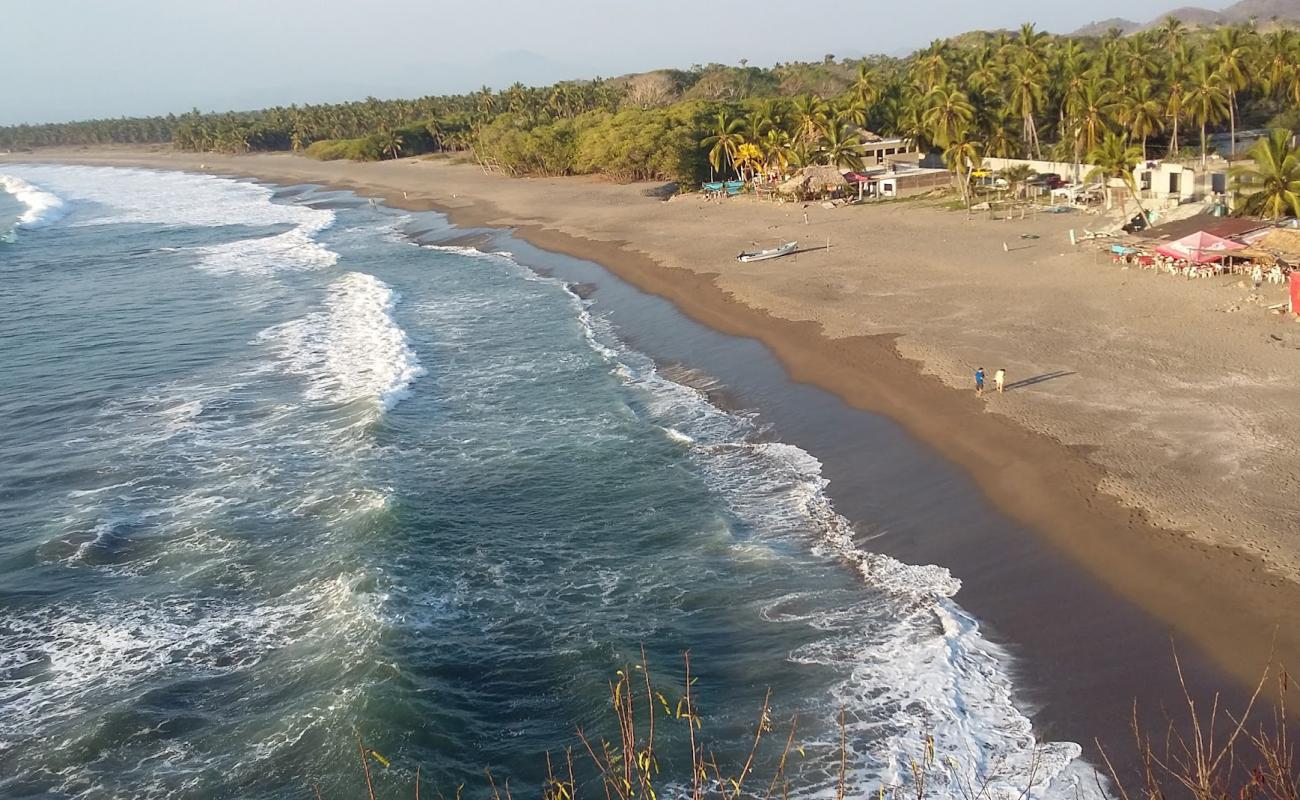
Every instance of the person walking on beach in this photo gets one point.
(979, 382)
(1000, 379)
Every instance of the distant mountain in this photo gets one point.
(1264, 10)
(1261, 11)
(1103, 27)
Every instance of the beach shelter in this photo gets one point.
(824, 179)
(1200, 248)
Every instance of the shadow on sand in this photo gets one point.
(1046, 376)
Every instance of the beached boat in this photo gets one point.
(773, 252)
(730, 188)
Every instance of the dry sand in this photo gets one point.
(1149, 431)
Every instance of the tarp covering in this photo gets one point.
(1199, 248)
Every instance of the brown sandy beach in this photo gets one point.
(1149, 432)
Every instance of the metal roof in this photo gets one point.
(1218, 226)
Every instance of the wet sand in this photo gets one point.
(1083, 653)
(1148, 438)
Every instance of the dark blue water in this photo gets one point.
(275, 475)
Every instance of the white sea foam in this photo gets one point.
(353, 350)
(43, 208)
(54, 659)
(115, 195)
(921, 667)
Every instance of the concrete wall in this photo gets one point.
(1192, 183)
(905, 185)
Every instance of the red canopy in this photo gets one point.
(1199, 248)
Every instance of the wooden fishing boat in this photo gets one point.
(773, 252)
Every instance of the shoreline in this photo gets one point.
(1230, 603)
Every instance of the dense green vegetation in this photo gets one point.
(1004, 94)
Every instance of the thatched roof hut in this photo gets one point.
(813, 181)
(1285, 242)
(793, 186)
(822, 178)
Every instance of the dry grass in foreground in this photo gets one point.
(1208, 754)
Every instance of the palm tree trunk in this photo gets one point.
(1203, 155)
(1232, 122)
(1138, 200)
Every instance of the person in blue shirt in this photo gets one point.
(979, 382)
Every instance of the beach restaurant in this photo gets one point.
(1204, 245)
(1199, 248)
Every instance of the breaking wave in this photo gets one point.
(43, 208)
(112, 195)
(353, 350)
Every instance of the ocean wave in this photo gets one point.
(43, 208)
(353, 350)
(119, 195)
(57, 660)
(921, 668)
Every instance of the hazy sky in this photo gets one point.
(73, 59)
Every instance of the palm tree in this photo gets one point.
(999, 133)
(1175, 108)
(1279, 62)
(1033, 43)
(1206, 101)
(1017, 176)
(1137, 63)
(963, 157)
(1171, 32)
(765, 116)
(437, 132)
(1026, 80)
(850, 111)
(947, 115)
(1276, 170)
(1095, 107)
(1230, 50)
(985, 69)
(840, 148)
(1116, 158)
(725, 140)
(866, 86)
(932, 65)
(777, 152)
(390, 144)
(748, 160)
(1140, 112)
(811, 115)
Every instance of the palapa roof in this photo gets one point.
(1282, 241)
(793, 185)
(823, 177)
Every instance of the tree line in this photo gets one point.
(1008, 94)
